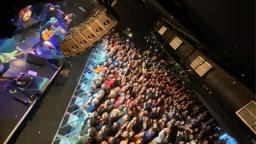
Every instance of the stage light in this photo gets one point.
(130, 35)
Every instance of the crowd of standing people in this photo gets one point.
(137, 100)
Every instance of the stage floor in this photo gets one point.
(13, 112)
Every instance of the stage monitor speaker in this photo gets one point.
(36, 60)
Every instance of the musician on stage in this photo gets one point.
(24, 16)
(47, 31)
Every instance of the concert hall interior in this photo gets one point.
(127, 72)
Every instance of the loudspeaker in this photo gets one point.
(82, 42)
(88, 33)
(36, 60)
(98, 24)
(106, 20)
(69, 46)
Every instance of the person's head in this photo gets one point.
(155, 126)
(116, 125)
(124, 134)
(141, 114)
(104, 128)
(164, 117)
(91, 121)
(149, 101)
(205, 142)
(104, 116)
(125, 117)
(158, 109)
(145, 113)
(154, 110)
(117, 89)
(111, 101)
(104, 142)
(111, 140)
(134, 120)
(103, 86)
(94, 114)
(191, 136)
(92, 132)
(96, 101)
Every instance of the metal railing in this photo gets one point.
(75, 115)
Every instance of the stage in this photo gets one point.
(19, 56)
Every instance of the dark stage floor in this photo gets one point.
(12, 111)
(45, 121)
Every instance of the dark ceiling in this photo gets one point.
(226, 28)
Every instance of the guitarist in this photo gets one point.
(48, 31)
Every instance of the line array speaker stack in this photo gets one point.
(79, 38)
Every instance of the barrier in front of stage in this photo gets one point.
(75, 115)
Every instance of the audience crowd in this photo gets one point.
(138, 101)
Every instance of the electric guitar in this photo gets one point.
(7, 57)
(48, 33)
